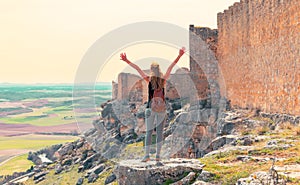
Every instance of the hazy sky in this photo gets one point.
(43, 41)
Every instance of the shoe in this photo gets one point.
(146, 159)
(158, 163)
(157, 158)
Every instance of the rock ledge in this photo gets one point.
(142, 173)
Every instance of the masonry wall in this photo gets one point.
(114, 90)
(259, 52)
(128, 83)
(203, 64)
(179, 85)
(132, 88)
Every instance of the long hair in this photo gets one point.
(156, 76)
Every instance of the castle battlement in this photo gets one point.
(258, 53)
(257, 47)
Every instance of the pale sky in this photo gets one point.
(43, 41)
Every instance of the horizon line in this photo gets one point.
(50, 83)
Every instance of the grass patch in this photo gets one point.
(296, 130)
(225, 157)
(286, 126)
(292, 160)
(245, 132)
(228, 170)
(228, 173)
(264, 119)
(262, 130)
(170, 181)
(16, 164)
(102, 177)
(133, 151)
(71, 176)
(263, 151)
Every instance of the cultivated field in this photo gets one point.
(36, 116)
(13, 150)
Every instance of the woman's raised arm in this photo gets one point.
(181, 52)
(141, 72)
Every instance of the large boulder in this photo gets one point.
(131, 171)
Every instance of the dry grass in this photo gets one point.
(71, 176)
(286, 126)
(262, 130)
(228, 169)
(16, 164)
(296, 130)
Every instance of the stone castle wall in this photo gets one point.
(128, 87)
(114, 93)
(259, 52)
(132, 88)
(203, 64)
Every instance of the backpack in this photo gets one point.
(158, 101)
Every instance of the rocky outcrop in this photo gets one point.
(190, 132)
(261, 178)
(136, 172)
(78, 152)
(48, 153)
(281, 118)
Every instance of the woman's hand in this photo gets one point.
(181, 51)
(124, 57)
(141, 72)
